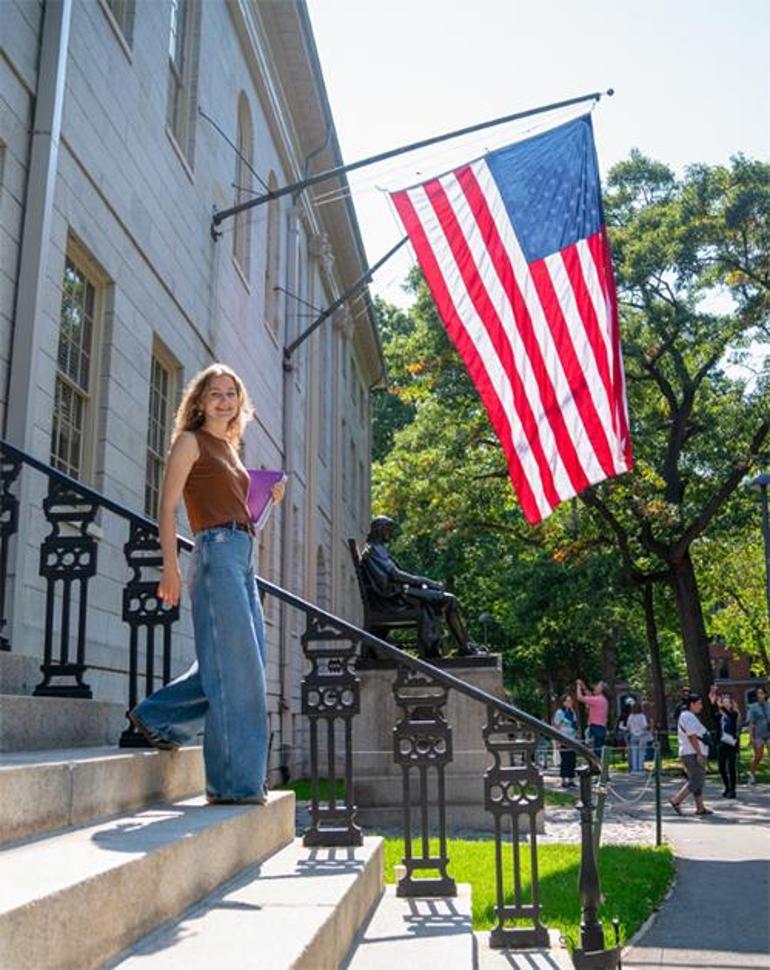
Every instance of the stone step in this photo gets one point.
(432, 934)
(71, 901)
(19, 674)
(555, 958)
(45, 790)
(299, 910)
(41, 723)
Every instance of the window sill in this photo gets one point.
(241, 275)
(118, 31)
(180, 155)
(271, 333)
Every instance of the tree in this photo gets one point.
(691, 262)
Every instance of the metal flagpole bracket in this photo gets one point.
(362, 280)
(296, 187)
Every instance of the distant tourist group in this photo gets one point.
(634, 732)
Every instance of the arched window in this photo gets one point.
(272, 256)
(244, 164)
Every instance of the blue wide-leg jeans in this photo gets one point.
(224, 691)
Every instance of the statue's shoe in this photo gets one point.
(472, 649)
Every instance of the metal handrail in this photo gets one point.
(434, 673)
(89, 493)
(349, 629)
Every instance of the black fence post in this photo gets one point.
(66, 560)
(331, 695)
(9, 523)
(422, 743)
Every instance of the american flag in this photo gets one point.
(515, 252)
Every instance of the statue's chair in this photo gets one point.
(377, 621)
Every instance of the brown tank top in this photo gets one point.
(216, 488)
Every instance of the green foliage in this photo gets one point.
(691, 261)
(634, 881)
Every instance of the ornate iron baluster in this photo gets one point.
(422, 740)
(67, 560)
(142, 608)
(330, 694)
(511, 791)
(9, 523)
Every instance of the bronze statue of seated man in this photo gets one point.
(392, 592)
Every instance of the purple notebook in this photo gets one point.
(260, 497)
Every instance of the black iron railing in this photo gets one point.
(68, 562)
(512, 785)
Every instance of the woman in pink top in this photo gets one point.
(598, 706)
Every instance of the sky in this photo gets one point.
(691, 80)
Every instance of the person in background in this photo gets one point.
(728, 732)
(638, 729)
(565, 720)
(693, 750)
(598, 706)
(759, 728)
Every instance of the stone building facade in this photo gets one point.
(123, 125)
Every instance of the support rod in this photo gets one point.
(382, 156)
(362, 280)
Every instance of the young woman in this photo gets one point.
(727, 748)
(638, 728)
(565, 720)
(225, 689)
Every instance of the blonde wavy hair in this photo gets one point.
(190, 416)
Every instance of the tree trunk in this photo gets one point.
(610, 658)
(656, 668)
(696, 648)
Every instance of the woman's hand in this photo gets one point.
(170, 586)
(278, 491)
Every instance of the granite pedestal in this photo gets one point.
(378, 791)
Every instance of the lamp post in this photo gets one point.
(485, 619)
(760, 483)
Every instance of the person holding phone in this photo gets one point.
(224, 691)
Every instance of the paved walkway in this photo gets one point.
(718, 916)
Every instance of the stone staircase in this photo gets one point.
(111, 857)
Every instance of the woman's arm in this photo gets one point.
(184, 453)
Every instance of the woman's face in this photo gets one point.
(568, 702)
(220, 403)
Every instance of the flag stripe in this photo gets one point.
(534, 506)
(507, 389)
(596, 408)
(575, 450)
(480, 306)
(596, 448)
(600, 250)
(529, 358)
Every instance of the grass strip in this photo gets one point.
(634, 881)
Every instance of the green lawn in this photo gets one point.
(301, 789)
(634, 881)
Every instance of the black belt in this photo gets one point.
(238, 526)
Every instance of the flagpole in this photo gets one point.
(219, 217)
(362, 280)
